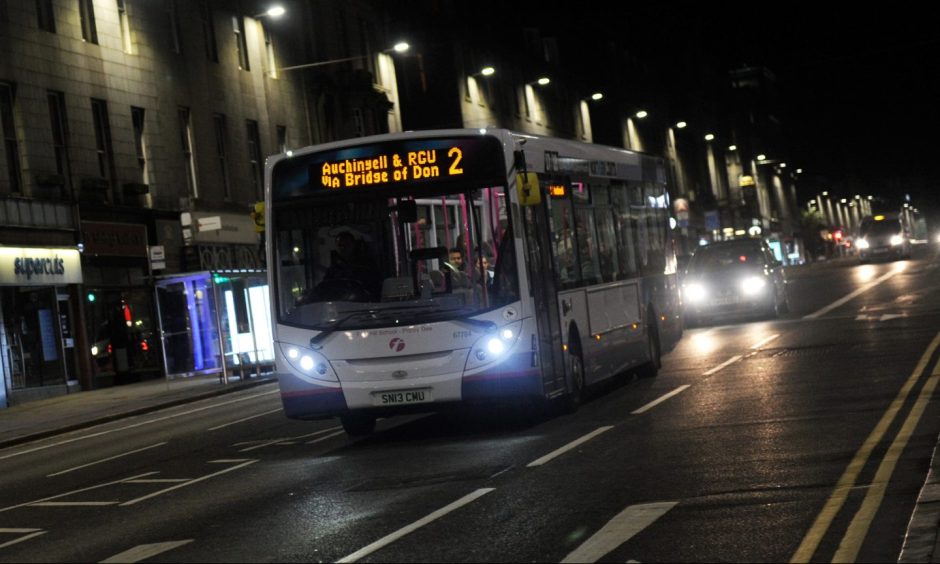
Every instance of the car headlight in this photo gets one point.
(896, 240)
(308, 362)
(862, 244)
(695, 293)
(753, 285)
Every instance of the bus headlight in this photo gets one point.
(695, 293)
(753, 285)
(308, 362)
(896, 240)
(495, 346)
(492, 347)
(863, 244)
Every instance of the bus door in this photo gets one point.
(541, 272)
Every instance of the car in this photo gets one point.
(734, 278)
(882, 237)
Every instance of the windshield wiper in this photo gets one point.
(317, 339)
(377, 314)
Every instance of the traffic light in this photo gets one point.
(92, 297)
(837, 235)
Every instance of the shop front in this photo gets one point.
(215, 322)
(119, 305)
(38, 291)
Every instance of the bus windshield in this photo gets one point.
(381, 260)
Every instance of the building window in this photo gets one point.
(186, 146)
(359, 123)
(60, 134)
(269, 52)
(254, 157)
(11, 148)
(140, 143)
(125, 25)
(86, 9)
(208, 31)
(241, 45)
(221, 134)
(282, 138)
(99, 111)
(46, 15)
(173, 21)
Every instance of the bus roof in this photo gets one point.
(543, 154)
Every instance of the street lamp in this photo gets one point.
(275, 11)
(543, 81)
(642, 114)
(681, 125)
(709, 137)
(597, 96)
(400, 47)
(488, 71)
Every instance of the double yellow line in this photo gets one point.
(858, 528)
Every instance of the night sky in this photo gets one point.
(859, 88)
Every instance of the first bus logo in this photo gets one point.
(396, 344)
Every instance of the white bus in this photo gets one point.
(414, 270)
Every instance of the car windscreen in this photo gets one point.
(710, 259)
(880, 228)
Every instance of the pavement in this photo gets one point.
(53, 416)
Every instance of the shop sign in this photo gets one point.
(114, 239)
(207, 227)
(158, 257)
(24, 266)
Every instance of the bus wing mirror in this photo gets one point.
(527, 186)
(407, 211)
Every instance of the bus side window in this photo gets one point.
(624, 231)
(563, 243)
(607, 243)
(587, 246)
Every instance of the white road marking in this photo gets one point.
(321, 439)
(105, 460)
(159, 481)
(627, 524)
(765, 341)
(145, 551)
(74, 503)
(229, 460)
(78, 491)
(656, 402)
(246, 419)
(851, 296)
(188, 483)
(389, 539)
(27, 534)
(283, 440)
(723, 365)
(135, 425)
(573, 444)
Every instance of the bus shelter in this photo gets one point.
(215, 322)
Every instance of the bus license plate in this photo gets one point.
(402, 398)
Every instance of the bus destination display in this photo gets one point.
(395, 167)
